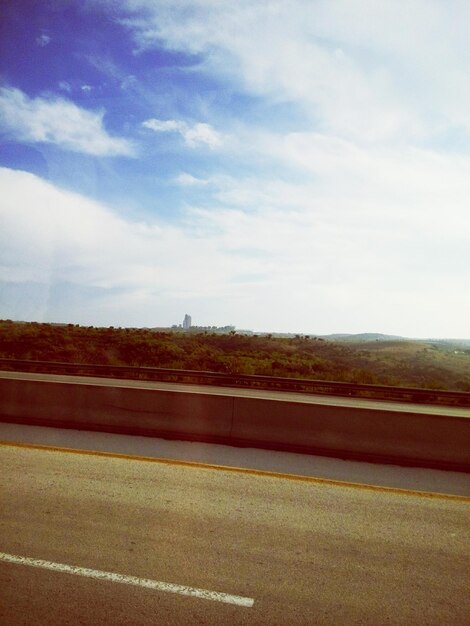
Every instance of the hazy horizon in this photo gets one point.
(297, 167)
(254, 330)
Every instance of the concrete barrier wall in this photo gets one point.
(115, 409)
(348, 432)
(417, 438)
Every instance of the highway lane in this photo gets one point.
(285, 396)
(306, 552)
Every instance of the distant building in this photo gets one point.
(187, 322)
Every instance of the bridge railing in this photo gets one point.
(298, 385)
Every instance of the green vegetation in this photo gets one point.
(398, 363)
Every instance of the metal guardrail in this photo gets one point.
(321, 387)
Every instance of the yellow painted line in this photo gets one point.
(239, 470)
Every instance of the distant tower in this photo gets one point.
(187, 322)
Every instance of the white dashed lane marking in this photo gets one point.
(203, 594)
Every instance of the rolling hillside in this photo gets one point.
(392, 361)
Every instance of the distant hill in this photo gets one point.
(363, 337)
(461, 344)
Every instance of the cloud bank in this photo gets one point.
(368, 70)
(314, 262)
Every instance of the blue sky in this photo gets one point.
(298, 166)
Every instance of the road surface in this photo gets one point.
(414, 478)
(295, 551)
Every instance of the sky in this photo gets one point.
(298, 166)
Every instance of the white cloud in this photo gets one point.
(198, 134)
(370, 70)
(51, 234)
(202, 134)
(129, 82)
(58, 121)
(86, 88)
(65, 86)
(188, 180)
(43, 40)
(164, 125)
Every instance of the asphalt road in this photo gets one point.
(281, 396)
(304, 552)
